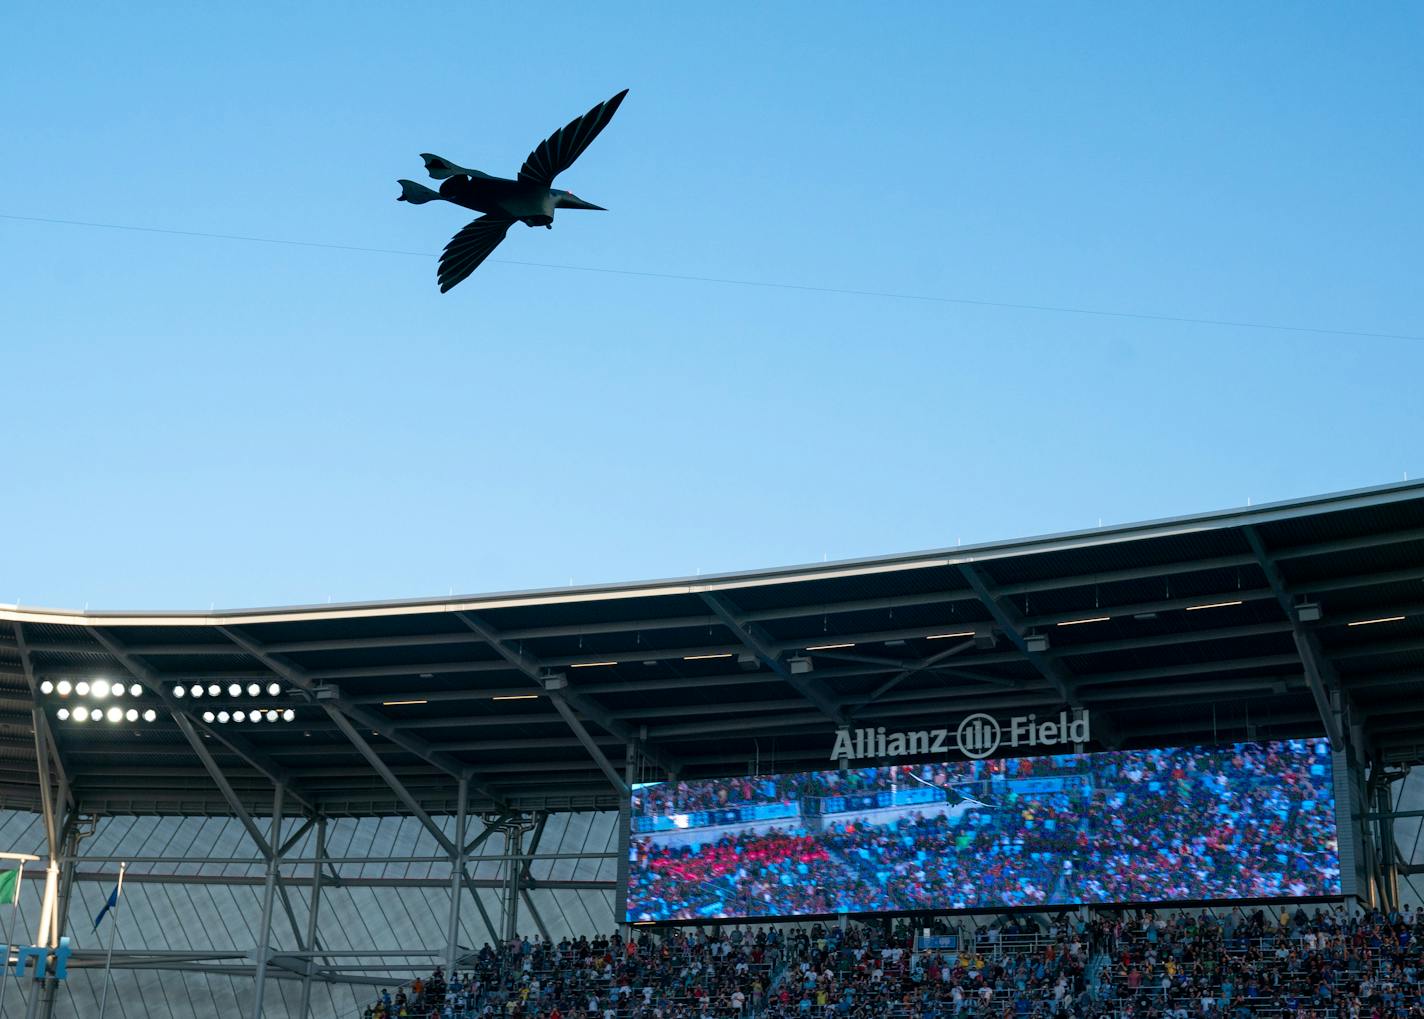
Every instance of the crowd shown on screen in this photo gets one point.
(1232, 963)
(1254, 821)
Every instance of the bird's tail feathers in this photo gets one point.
(415, 194)
(440, 168)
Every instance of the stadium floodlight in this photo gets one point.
(135, 689)
(63, 714)
(288, 715)
(800, 665)
(131, 714)
(209, 717)
(239, 716)
(63, 687)
(46, 687)
(234, 689)
(99, 688)
(214, 690)
(81, 688)
(116, 714)
(179, 690)
(1308, 612)
(197, 690)
(256, 716)
(81, 713)
(115, 689)
(1036, 643)
(223, 717)
(273, 689)
(150, 715)
(271, 714)
(254, 689)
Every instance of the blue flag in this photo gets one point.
(111, 904)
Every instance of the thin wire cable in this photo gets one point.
(764, 284)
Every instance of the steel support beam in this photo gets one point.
(282, 894)
(539, 824)
(216, 774)
(538, 920)
(513, 837)
(48, 990)
(1319, 672)
(47, 748)
(397, 787)
(474, 889)
(589, 744)
(251, 881)
(154, 684)
(568, 700)
(373, 720)
(457, 873)
(291, 841)
(268, 893)
(1010, 621)
(491, 827)
(918, 667)
(304, 1010)
(756, 640)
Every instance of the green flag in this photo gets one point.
(9, 886)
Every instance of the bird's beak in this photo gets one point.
(570, 202)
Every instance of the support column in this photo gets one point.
(42, 994)
(625, 828)
(457, 879)
(304, 1010)
(1383, 807)
(513, 848)
(269, 890)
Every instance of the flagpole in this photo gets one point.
(9, 937)
(113, 929)
(20, 860)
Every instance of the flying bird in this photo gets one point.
(530, 199)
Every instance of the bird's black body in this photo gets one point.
(496, 196)
(530, 199)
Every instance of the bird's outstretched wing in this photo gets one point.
(557, 152)
(471, 246)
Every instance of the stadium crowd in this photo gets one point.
(1251, 963)
(816, 971)
(1233, 963)
(714, 972)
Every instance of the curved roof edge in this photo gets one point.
(1380, 495)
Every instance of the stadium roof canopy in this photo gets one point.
(1177, 630)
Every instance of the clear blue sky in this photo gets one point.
(195, 421)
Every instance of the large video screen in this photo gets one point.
(1249, 820)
